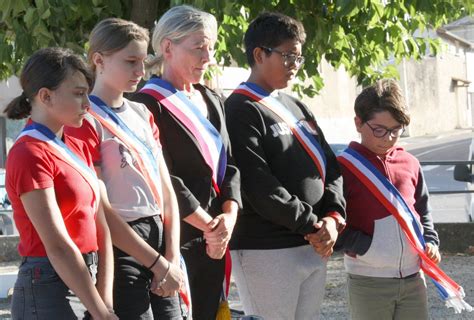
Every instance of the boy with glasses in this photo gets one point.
(387, 210)
(291, 185)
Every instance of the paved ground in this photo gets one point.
(459, 267)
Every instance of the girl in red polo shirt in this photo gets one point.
(54, 193)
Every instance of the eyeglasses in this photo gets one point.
(380, 132)
(289, 59)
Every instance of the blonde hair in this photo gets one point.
(113, 34)
(176, 24)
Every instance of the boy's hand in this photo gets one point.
(324, 239)
(432, 251)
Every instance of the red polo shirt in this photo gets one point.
(32, 166)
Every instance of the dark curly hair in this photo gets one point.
(271, 29)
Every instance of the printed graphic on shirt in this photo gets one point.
(127, 157)
(282, 129)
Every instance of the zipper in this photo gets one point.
(400, 235)
(401, 251)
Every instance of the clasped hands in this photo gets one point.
(218, 234)
(168, 278)
(324, 238)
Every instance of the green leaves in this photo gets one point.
(30, 25)
(359, 35)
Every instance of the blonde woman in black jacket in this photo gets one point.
(196, 148)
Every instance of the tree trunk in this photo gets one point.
(145, 12)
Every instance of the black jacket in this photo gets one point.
(283, 194)
(190, 175)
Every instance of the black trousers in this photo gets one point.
(205, 279)
(132, 296)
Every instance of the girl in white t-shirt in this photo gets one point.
(124, 142)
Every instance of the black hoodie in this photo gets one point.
(283, 194)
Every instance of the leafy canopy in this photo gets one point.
(360, 35)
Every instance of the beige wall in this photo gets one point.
(435, 103)
(333, 107)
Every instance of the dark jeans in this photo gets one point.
(205, 279)
(40, 293)
(132, 296)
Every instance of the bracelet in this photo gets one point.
(154, 262)
(163, 281)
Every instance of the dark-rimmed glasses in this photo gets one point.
(289, 59)
(380, 132)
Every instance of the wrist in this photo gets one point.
(432, 245)
(338, 219)
(231, 207)
(232, 215)
(101, 312)
(173, 258)
(154, 262)
(199, 219)
(163, 280)
(159, 269)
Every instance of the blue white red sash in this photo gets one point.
(208, 138)
(305, 138)
(185, 291)
(147, 162)
(227, 274)
(62, 151)
(392, 200)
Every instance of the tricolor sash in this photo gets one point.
(147, 162)
(388, 195)
(209, 140)
(227, 274)
(185, 291)
(62, 151)
(305, 138)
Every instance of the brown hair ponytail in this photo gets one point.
(18, 108)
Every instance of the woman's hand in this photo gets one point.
(216, 251)
(221, 229)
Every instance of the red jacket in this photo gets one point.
(373, 241)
